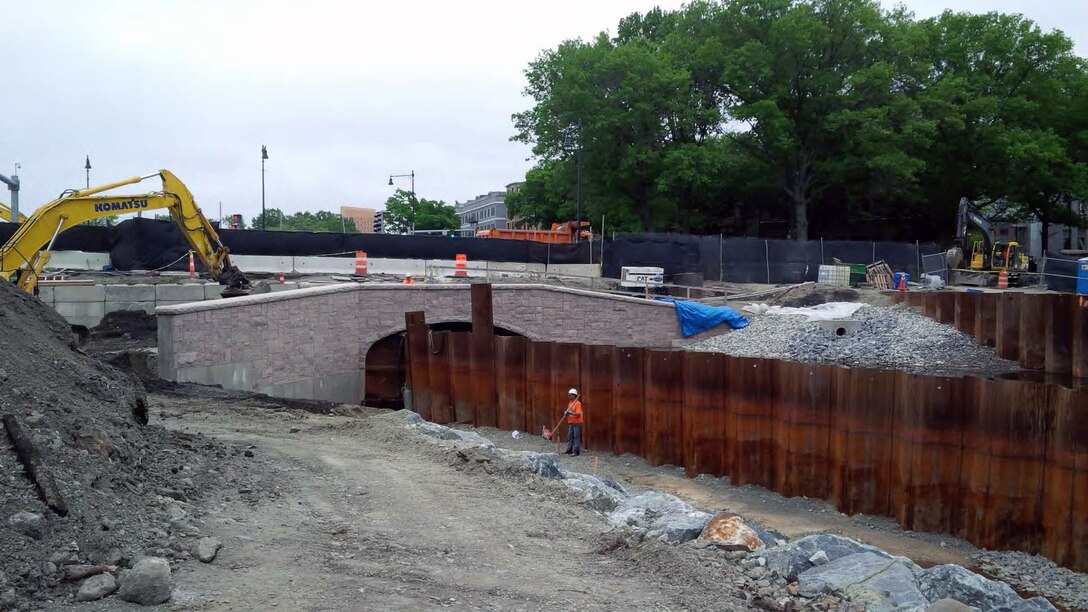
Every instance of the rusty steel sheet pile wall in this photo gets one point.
(1001, 463)
(1047, 332)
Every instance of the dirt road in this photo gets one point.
(369, 516)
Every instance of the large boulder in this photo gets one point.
(954, 582)
(148, 583)
(596, 492)
(96, 587)
(662, 516)
(543, 464)
(454, 435)
(790, 560)
(873, 580)
(27, 523)
(733, 532)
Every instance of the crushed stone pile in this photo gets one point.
(118, 489)
(893, 337)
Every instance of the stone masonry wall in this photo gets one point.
(312, 343)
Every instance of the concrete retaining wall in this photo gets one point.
(86, 305)
(272, 264)
(312, 343)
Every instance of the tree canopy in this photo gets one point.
(816, 118)
(405, 212)
(320, 221)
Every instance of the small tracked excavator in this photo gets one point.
(25, 254)
(987, 256)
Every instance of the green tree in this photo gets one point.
(1006, 95)
(305, 221)
(405, 212)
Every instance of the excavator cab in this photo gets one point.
(1009, 257)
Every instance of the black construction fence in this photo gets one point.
(151, 244)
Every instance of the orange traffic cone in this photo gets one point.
(461, 265)
(902, 283)
(1003, 280)
(281, 277)
(360, 263)
(192, 266)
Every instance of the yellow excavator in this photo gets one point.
(5, 213)
(25, 254)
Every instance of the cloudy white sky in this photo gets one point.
(342, 93)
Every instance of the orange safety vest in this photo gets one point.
(575, 408)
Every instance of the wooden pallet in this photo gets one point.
(879, 275)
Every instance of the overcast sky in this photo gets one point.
(342, 93)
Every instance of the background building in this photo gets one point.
(378, 216)
(483, 212)
(363, 217)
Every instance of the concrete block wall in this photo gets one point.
(312, 343)
(86, 304)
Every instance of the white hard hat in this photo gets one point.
(573, 391)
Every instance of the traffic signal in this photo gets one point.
(453, 233)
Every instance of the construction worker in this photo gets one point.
(574, 424)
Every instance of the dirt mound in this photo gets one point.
(119, 488)
(137, 324)
(124, 329)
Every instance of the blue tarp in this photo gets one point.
(695, 317)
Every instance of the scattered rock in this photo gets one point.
(79, 572)
(95, 441)
(731, 532)
(175, 513)
(248, 453)
(790, 560)
(876, 581)
(818, 558)
(595, 492)
(27, 523)
(455, 435)
(148, 582)
(662, 516)
(206, 549)
(543, 464)
(951, 581)
(950, 605)
(96, 587)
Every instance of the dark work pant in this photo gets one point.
(574, 438)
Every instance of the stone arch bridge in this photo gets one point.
(313, 343)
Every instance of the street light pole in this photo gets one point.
(87, 169)
(264, 216)
(13, 186)
(411, 175)
(578, 189)
(576, 143)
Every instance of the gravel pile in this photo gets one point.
(1036, 575)
(118, 489)
(888, 338)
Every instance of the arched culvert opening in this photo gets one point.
(385, 365)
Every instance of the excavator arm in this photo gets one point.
(26, 253)
(5, 213)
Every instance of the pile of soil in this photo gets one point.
(125, 329)
(121, 489)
